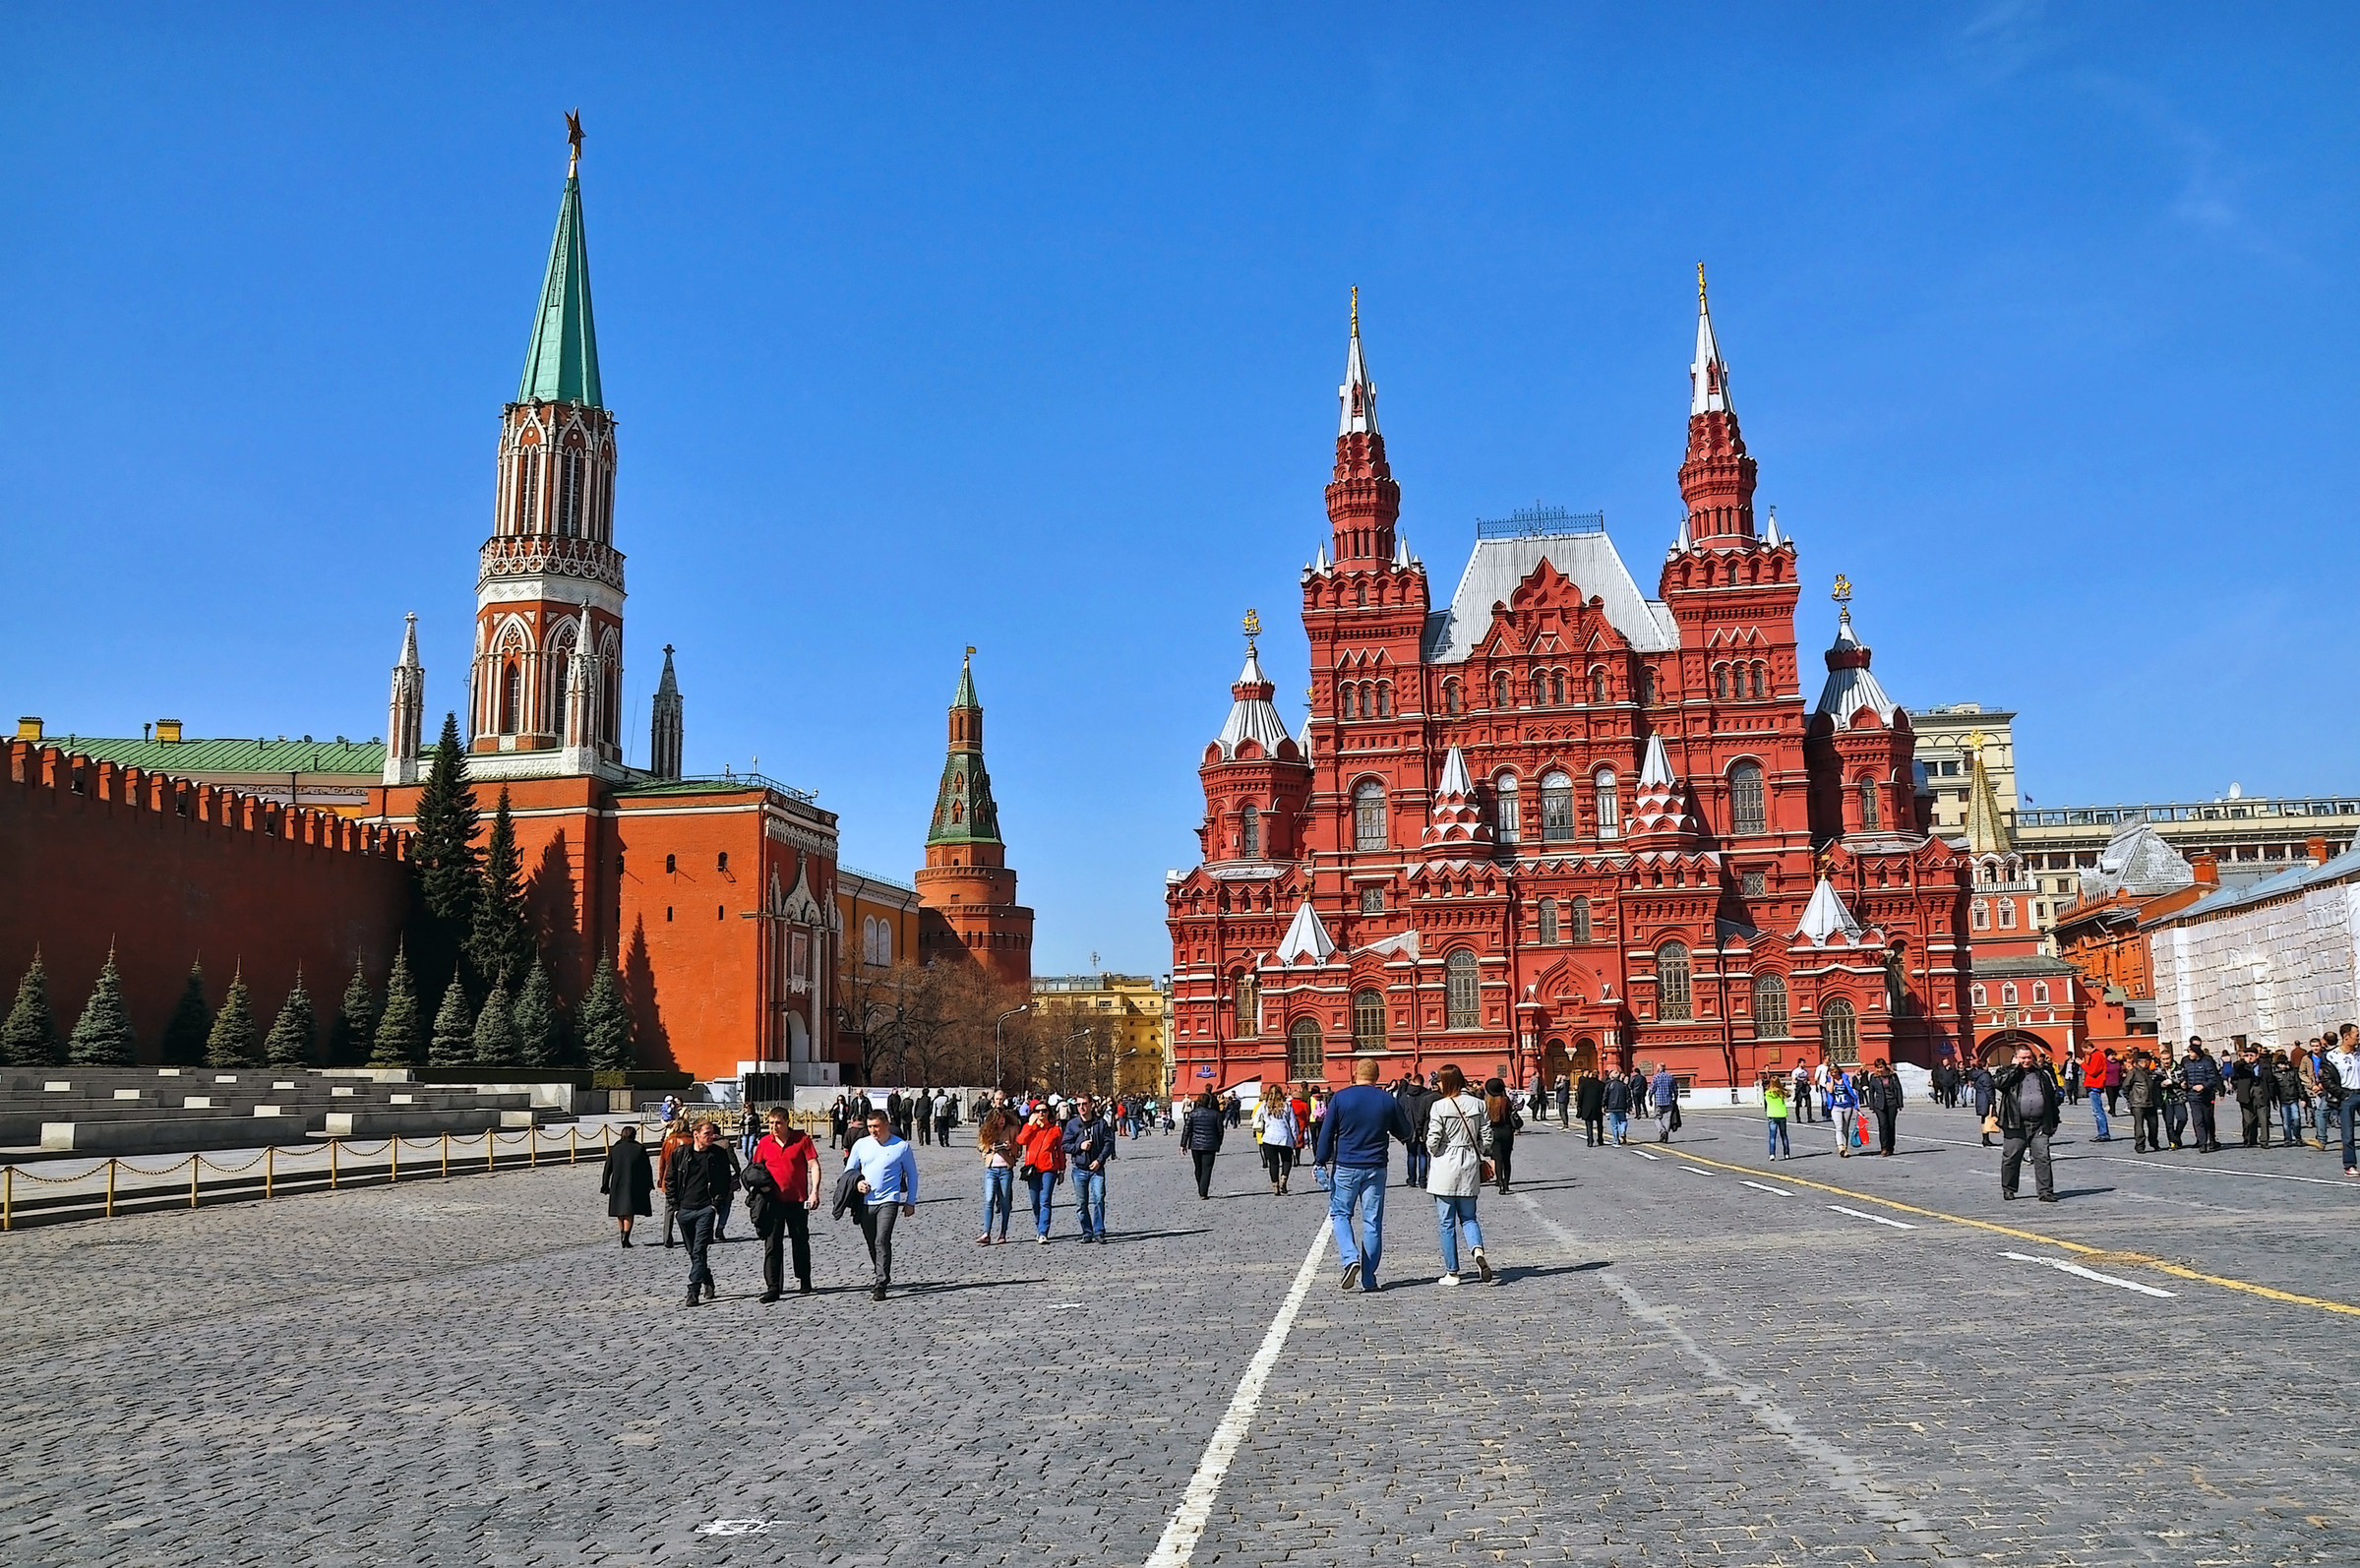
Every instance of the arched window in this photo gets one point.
(1368, 814)
(672, 862)
(1369, 1020)
(1384, 700)
(1597, 686)
(1556, 688)
(2039, 992)
(884, 942)
(1306, 1058)
(1360, 595)
(1556, 807)
(721, 864)
(1581, 920)
(529, 487)
(1508, 807)
(2007, 914)
(1648, 690)
(1450, 697)
(1979, 915)
(512, 696)
(1499, 689)
(1671, 981)
(1609, 809)
(1548, 923)
(1721, 681)
(1869, 821)
(1759, 682)
(569, 519)
(1367, 700)
(1249, 833)
(1459, 998)
(1978, 996)
(1746, 812)
(1249, 1007)
(2007, 995)
(1840, 1032)
(1770, 1008)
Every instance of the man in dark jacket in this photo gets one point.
(1089, 1144)
(1590, 1099)
(1885, 1103)
(2028, 1103)
(2201, 1076)
(1200, 1134)
(1615, 1096)
(699, 1177)
(1417, 1102)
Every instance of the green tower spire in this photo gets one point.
(561, 363)
(964, 812)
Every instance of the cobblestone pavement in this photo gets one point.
(1678, 1368)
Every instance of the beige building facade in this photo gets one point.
(1129, 1047)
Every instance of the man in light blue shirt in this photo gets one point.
(889, 1184)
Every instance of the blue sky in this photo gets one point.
(1022, 327)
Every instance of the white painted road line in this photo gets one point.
(1877, 1218)
(1178, 1544)
(1759, 1188)
(1697, 1170)
(2065, 1267)
(1644, 1155)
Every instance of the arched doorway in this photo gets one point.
(1998, 1050)
(1555, 1062)
(1584, 1056)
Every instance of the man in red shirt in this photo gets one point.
(793, 1161)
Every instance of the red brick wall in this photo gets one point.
(242, 883)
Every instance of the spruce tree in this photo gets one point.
(536, 1019)
(295, 1032)
(399, 1038)
(355, 1027)
(606, 1022)
(102, 1035)
(500, 944)
(30, 1038)
(232, 1043)
(183, 1043)
(496, 1031)
(443, 856)
(453, 1043)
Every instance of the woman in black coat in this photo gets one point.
(1200, 1135)
(627, 1183)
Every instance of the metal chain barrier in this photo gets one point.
(331, 1163)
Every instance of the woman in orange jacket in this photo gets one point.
(1042, 1147)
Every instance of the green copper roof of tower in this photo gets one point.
(964, 697)
(561, 363)
(964, 811)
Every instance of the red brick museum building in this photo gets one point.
(1553, 821)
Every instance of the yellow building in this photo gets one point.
(1112, 1033)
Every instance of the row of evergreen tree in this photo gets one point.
(497, 1011)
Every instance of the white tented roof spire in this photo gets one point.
(1825, 916)
(1708, 376)
(409, 642)
(1306, 937)
(1357, 394)
(1654, 769)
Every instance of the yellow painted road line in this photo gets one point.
(2161, 1265)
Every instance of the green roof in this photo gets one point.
(188, 758)
(964, 697)
(964, 811)
(561, 363)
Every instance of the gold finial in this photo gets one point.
(970, 658)
(1356, 310)
(574, 138)
(1975, 743)
(1843, 592)
(1254, 628)
(1700, 283)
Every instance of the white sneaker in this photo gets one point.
(1448, 1279)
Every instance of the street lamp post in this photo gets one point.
(998, 1081)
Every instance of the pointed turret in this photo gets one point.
(1826, 918)
(664, 732)
(1362, 500)
(560, 361)
(1986, 829)
(1307, 937)
(1456, 829)
(1718, 478)
(1660, 813)
(405, 714)
(968, 893)
(1251, 718)
(1853, 691)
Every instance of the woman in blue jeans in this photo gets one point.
(1041, 1143)
(995, 1139)
(1456, 1135)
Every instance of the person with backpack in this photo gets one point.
(1456, 1134)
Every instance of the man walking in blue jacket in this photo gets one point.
(1089, 1145)
(1355, 1144)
